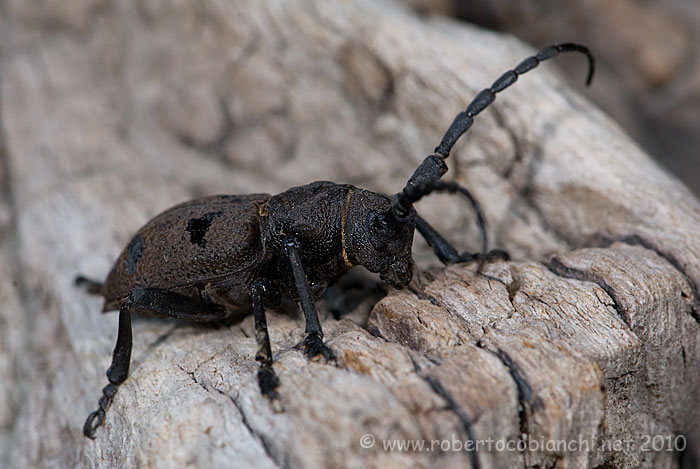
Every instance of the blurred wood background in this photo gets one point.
(112, 111)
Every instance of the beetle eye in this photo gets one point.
(378, 231)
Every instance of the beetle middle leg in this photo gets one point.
(314, 348)
(152, 302)
(267, 379)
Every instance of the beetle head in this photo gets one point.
(375, 241)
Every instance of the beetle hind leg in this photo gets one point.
(151, 302)
(118, 370)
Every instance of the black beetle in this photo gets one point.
(204, 258)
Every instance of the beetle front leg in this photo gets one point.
(446, 252)
(314, 348)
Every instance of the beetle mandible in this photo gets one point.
(204, 258)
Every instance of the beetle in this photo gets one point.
(205, 258)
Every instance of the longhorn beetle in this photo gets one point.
(205, 258)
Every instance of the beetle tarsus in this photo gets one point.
(93, 421)
(491, 256)
(497, 255)
(316, 350)
(96, 418)
(269, 382)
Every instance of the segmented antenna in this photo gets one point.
(464, 120)
(433, 167)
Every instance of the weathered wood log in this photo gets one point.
(581, 352)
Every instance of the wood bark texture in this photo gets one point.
(112, 111)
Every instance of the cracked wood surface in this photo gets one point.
(114, 111)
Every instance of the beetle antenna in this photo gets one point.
(464, 120)
(433, 167)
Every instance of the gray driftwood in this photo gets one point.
(113, 111)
